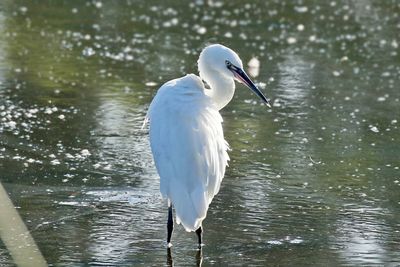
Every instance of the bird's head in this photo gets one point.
(224, 61)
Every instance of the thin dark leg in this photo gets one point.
(170, 225)
(199, 233)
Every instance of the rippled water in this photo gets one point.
(314, 181)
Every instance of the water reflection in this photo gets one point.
(170, 261)
(198, 258)
(364, 238)
(108, 241)
(295, 83)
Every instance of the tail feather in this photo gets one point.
(190, 208)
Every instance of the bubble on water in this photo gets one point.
(73, 203)
(33, 110)
(374, 129)
(243, 36)
(69, 156)
(274, 242)
(96, 165)
(201, 30)
(254, 63)
(98, 4)
(48, 111)
(11, 124)
(228, 35)
(85, 153)
(394, 44)
(277, 103)
(96, 27)
(88, 52)
(296, 241)
(286, 239)
(254, 67)
(151, 84)
(291, 40)
(23, 9)
(261, 85)
(300, 27)
(55, 162)
(301, 9)
(107, 167)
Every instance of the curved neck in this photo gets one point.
(222, 89)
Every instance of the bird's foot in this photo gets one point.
(200, 246)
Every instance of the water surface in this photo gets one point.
(313, 181)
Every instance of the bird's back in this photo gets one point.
(188, 147)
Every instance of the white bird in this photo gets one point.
(186, 136)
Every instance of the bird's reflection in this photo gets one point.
(199, 257)
(170, 261)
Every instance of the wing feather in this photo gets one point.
(188, 147)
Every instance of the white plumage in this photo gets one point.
(188, 147)
(186, 134)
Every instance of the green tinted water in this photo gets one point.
(314, 181)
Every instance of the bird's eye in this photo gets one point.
(228, 63)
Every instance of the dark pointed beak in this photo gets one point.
(242, 77)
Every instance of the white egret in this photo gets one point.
(186, 137)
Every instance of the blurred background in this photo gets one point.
(313, 181)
